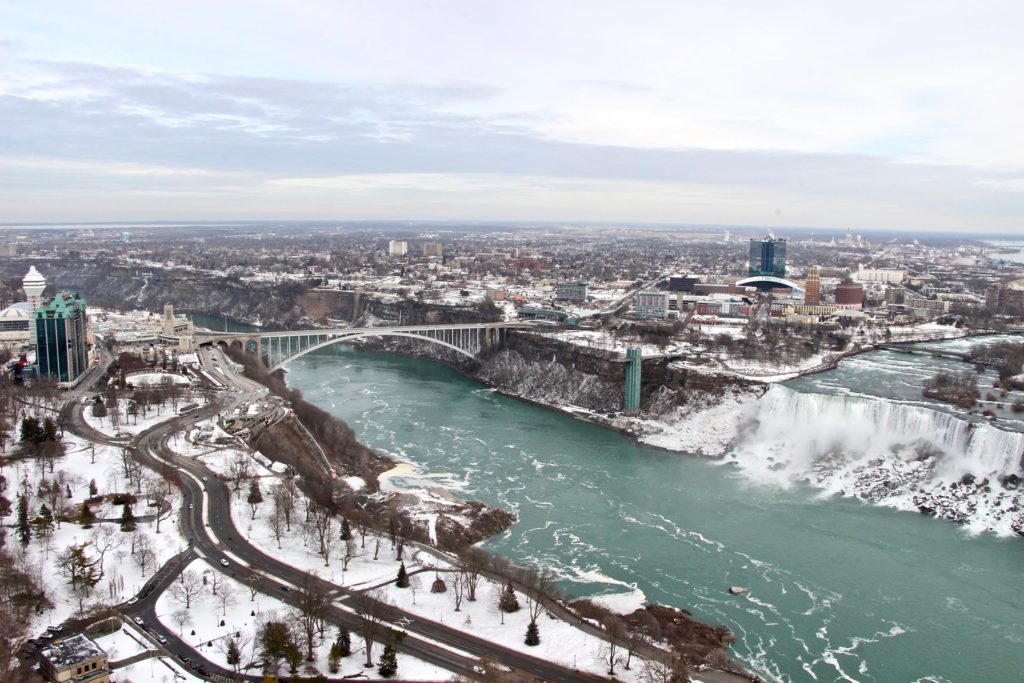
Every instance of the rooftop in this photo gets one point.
(71, 650)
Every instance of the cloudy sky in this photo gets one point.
(871, 114)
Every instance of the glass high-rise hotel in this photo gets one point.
(61, 348)
(768, 257)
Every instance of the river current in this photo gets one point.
(839, 590)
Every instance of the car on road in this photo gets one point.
(191, 506)
(139, 621)
(224, 563)
(163, 641)
(133, 601)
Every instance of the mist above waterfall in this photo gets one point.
(906, 456)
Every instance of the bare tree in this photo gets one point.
(289, 494)
(615, 631)
(226, 598)
(180, 617)
(240, 468)
(473, 562)
(312, 606)
(349, 554)
(143, 553)
(319, 526)
(158, 491)
(187, 588)
(370, 607)
(105, 538)
(458, 589)
(275, 520)
(664, 667)
(216, 581)
(539, 586)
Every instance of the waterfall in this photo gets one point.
(794, 430)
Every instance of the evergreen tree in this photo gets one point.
(24, 531)
(387, 666)
(403, 577)
(43, 523)
(233, 655)
(344, 642)
(346, 530)
(334, 659)
(48, 431)
(127, 518)
(30, 430)
(532, 634)
(86, 517)
(508, 602)
(93, 489)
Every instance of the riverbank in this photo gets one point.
(449, 523)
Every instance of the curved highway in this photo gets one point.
(211, 512)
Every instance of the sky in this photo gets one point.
(822, 113)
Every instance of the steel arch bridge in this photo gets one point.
(280, 348)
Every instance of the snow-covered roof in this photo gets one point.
(18, 311)
(71, 650)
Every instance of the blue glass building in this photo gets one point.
(62, 352)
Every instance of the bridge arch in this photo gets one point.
(358, 335)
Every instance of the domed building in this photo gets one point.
(16, 325)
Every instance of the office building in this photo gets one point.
(571, 291)
(652, 304)
(682, 283)
(435, 249)
(768, 257)
(849, 295)
(398, 247)
(812, 287)
(76, 659)
(61, 346)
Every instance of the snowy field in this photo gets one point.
(134, 424)
(156, 379)
(241, 612)
(124, 572)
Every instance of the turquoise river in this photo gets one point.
(839, 590)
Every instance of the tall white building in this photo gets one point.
(33, 285)
(398, 247)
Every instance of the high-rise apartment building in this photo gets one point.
(812, 287)
(652, 304)
(398, 247)
(61, 347)
(768, 257)
(433, 249)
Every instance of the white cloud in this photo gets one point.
(790, 100)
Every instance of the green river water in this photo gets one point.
(839, 590)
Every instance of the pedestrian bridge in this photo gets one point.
(282, 347)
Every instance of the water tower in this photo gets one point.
(33, 284)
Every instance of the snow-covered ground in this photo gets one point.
(134, 424)
(242, 613)
(706, 430)
(156, 378)
(123, 576)
(154, 670)
(560, 641)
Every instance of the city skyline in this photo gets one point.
(812, 115)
